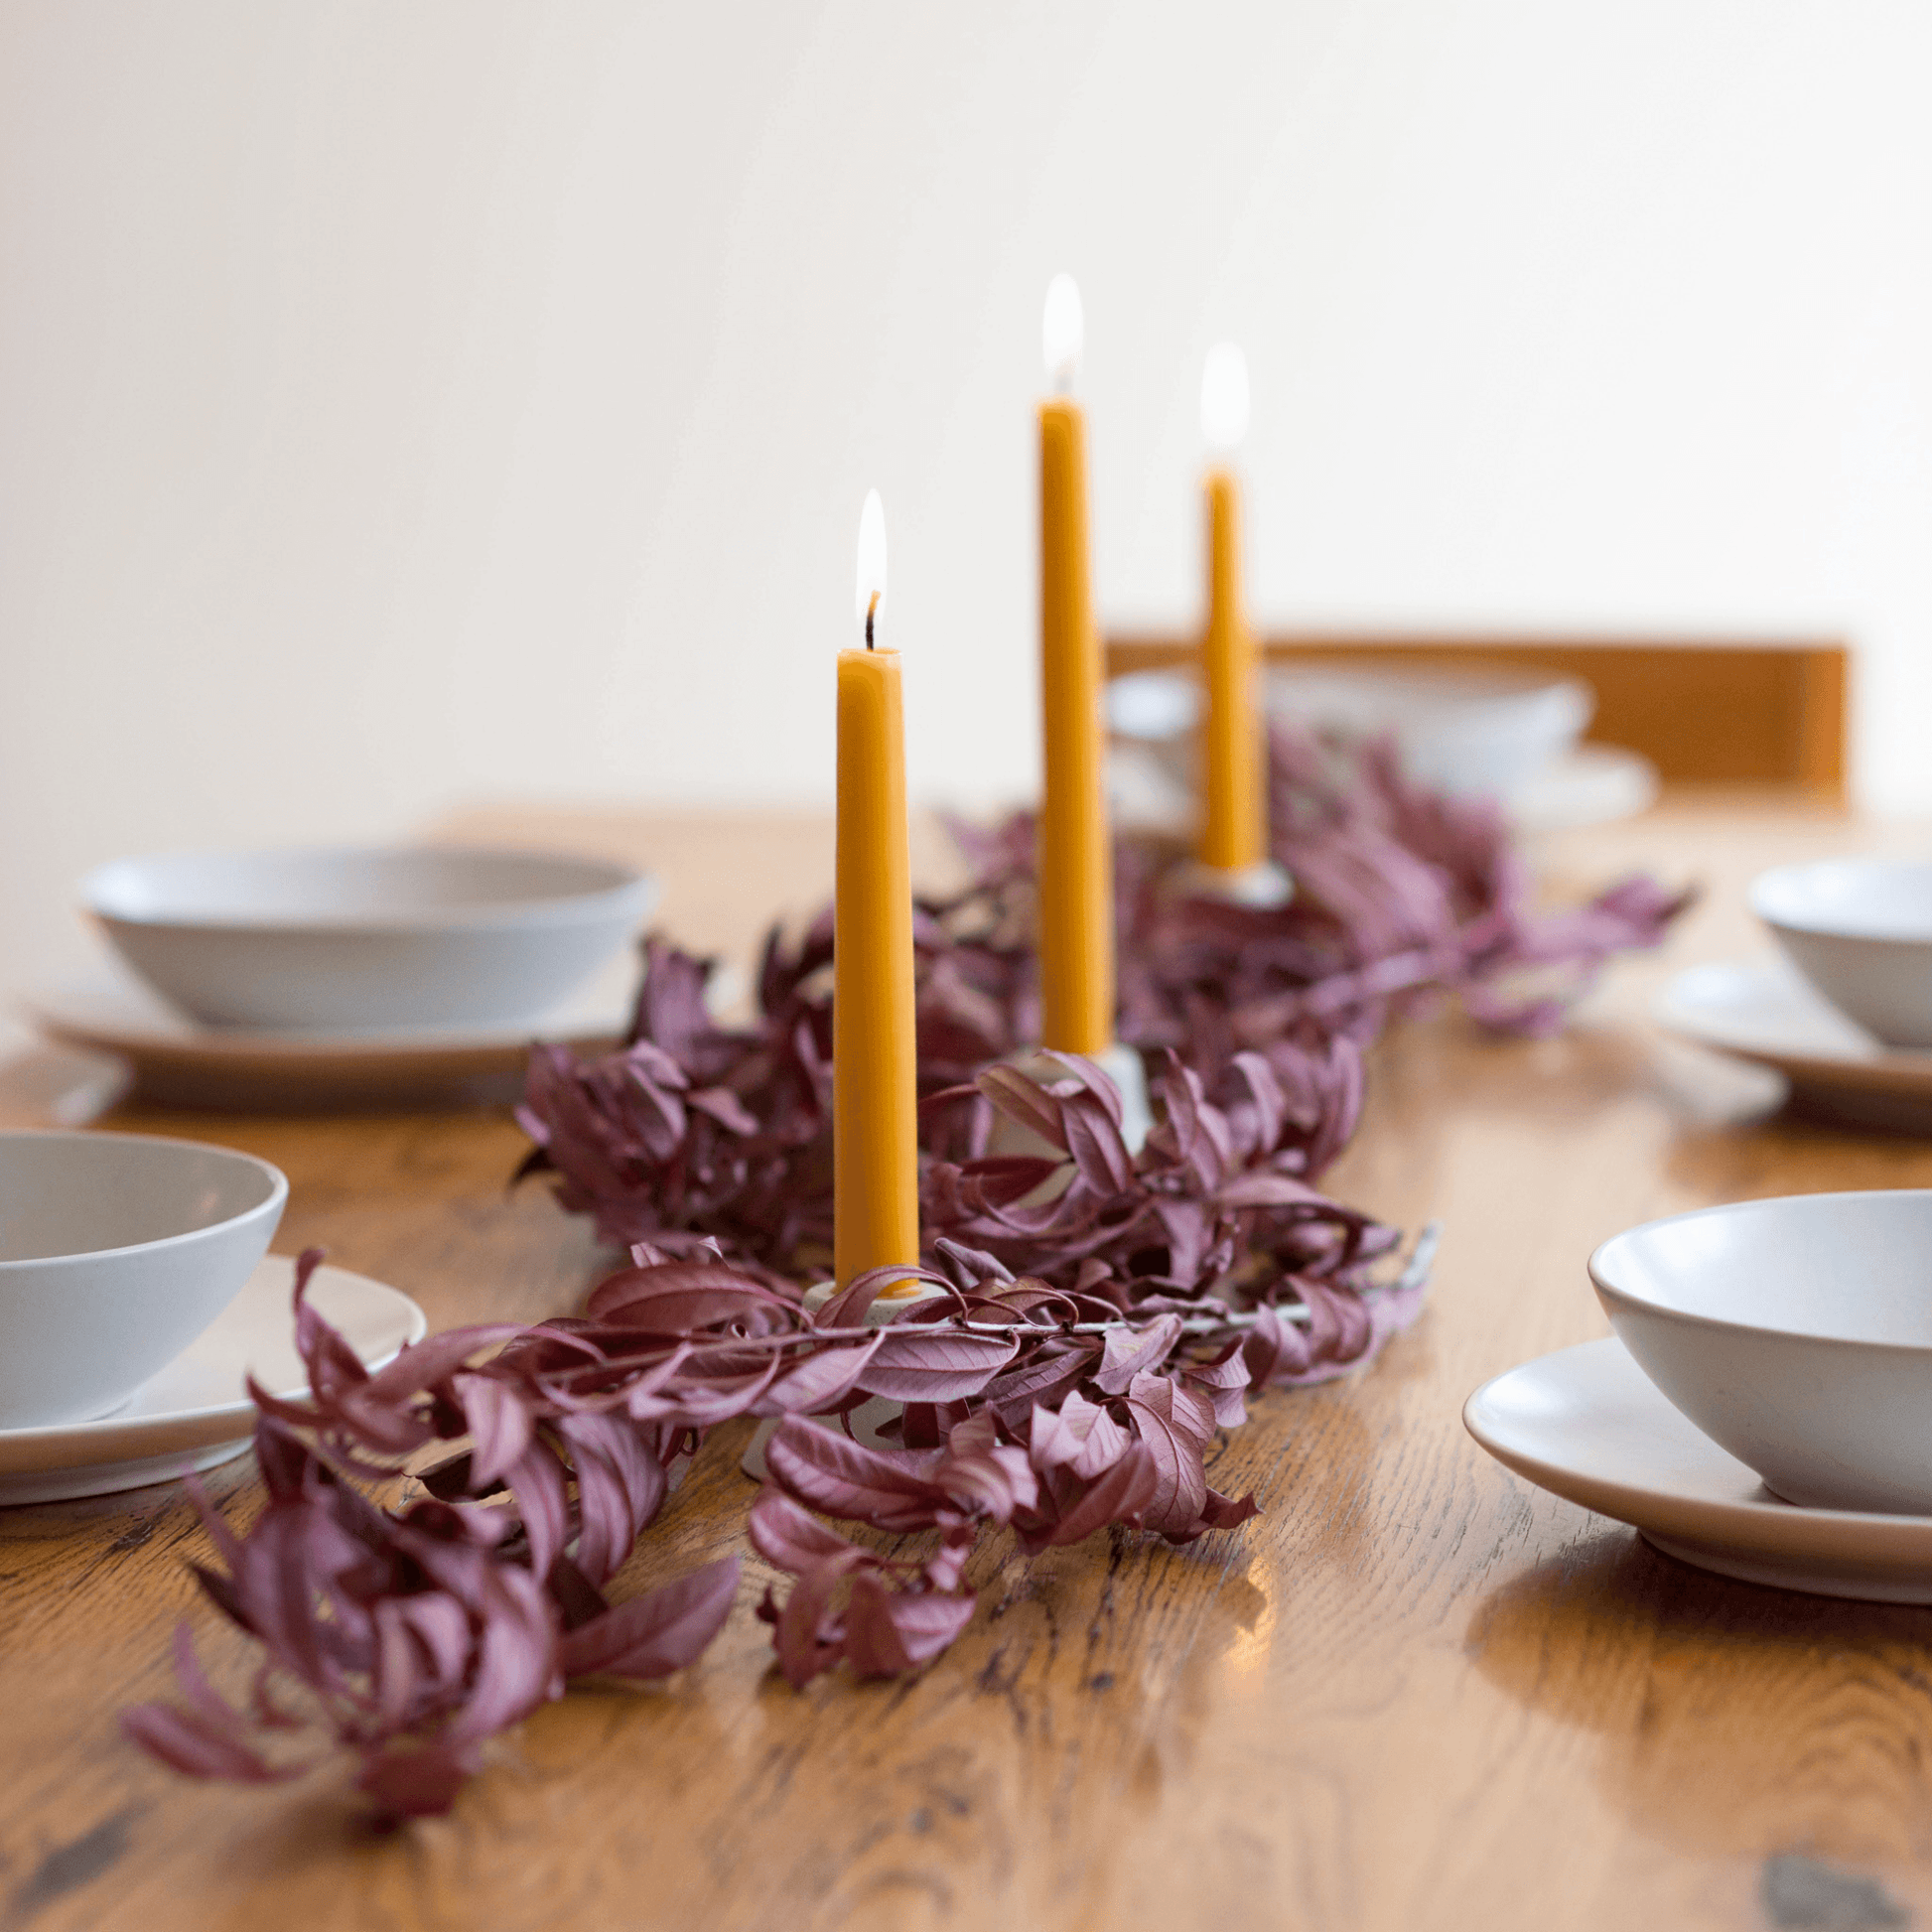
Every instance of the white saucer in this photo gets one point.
(195, 1414)
(177, 1061)
(1587, 1424)
(1762, 1010)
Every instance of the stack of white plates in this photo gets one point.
(345, 977)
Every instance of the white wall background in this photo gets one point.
(409, 401)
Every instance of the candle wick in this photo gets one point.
(870, 608)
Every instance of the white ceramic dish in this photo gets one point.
(1796, 1332)
(1521, 745)
(360, 939)
(116, 1250)
(1591, 784)
(195, 1414)
(1763, 1012)
(1860, 932)
(1461, 730)
(1586, 1425)
(1151, 707)
(177, 1062)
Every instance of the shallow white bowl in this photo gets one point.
(1860, 932)
(116, 1250)
(1151, 707)
(1463, 730)
(1796, 1333)
(362, 938)
(1458, 730)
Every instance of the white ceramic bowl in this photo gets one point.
(1860, 932)
(364, 939)
(1458, 730)
(1153, 706)
(1796, 1333)
(1461, 730)
(116, 1250)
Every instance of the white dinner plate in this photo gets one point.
(1587, 1424)
(1762, 1010)
(176, 1061)
(196, 1413)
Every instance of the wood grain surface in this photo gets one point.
(1414, 1693)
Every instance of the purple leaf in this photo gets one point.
(1081, 1437)
(1026, 1103)
(725, 1108)
(790, 1538)
(655, 1635)
(1221, 1383)
(333, 1365)
(806, 1637)
(1097, 1081)
(1093, 1138)
(1129, 1351)
(842, 1477)
(1221, 1512)
(932, 1362)
(1260, 1189)
(819, 1382)
(678, 1295)
(984, 1475)
(1123, 1493)
(1165, 1429)
(433, 1359)
(536, 1480)
(497, 1420)
(517, 1659)
(1044, 1378)
(1274, 1347)
(850, 1306)
(189, 1743)
(888, 1632)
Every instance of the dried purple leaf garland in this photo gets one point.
(698, 1132)
(417, 1632)
(1104, 1314)
(1401, 895)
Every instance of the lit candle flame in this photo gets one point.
(1062, 333)
(871, 562)
(1224, 397)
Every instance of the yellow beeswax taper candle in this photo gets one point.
(875, 1122)
(1075, 864)
(1234, 807)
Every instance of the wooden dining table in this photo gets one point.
(1413, 1692)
